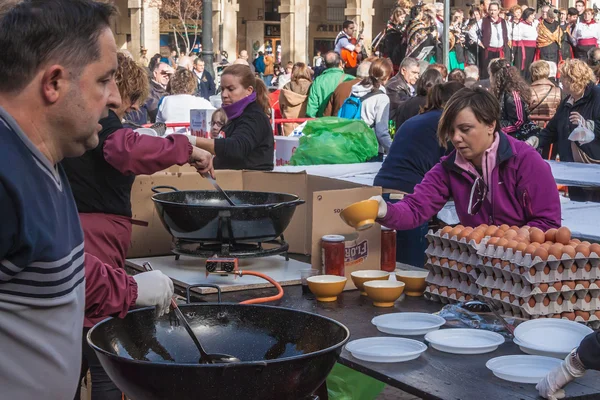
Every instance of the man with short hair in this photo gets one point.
(244, 56)
(401, 87)
(343, 41)
(206, 83)
(342, 92)
(580, 7)
(185, 62)
(59, 81)
(472, 72)
(494, 38)
(325, 84)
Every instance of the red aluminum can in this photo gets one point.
(388, 249)
(333, 251)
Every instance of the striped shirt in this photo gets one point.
(41, 273)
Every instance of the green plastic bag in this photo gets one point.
(344, 383)
(333, 140)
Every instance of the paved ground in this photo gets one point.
(391, 393)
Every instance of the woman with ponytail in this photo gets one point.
(375, 104)
(247, 137)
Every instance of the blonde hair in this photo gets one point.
(219, 115)
(578, 74)
(183, 82)
(539, 70)
(513, 9)
(132, 80)
(301, 71)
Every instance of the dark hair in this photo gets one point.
(457, 75)
(580, 1)
(439, 95)
(429, 79)
(482, 103)
(415, 11)
(593, 56)
(440, 67)
(154, 61)
(379, 71)
(332, 59)
(247, 79)
(347, 23)
(37, 33)
(507, 79)
(572, 11)
(527, 13)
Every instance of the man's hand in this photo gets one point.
(202, 160)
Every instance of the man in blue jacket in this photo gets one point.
(206, 83)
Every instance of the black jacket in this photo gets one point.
(206, 85)
(398, 91)
(407, 110)
(559, 127)
(248, 143)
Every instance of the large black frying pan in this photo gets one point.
(203, 215)
(285, 354)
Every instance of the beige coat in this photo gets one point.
(548, 106)
(293, 99)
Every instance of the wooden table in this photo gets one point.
(434, 375)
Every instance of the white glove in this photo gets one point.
(154, 289)
(551, 386)
(533, 141)
(382, 212)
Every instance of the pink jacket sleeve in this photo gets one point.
(108, 290)
(133, 154)
(415, 209)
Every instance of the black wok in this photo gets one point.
(285, 354)
(202, 215)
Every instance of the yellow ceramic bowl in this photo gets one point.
(414, 281)
(360, 277)
(326, 287)
(384, 293)
(361, 215)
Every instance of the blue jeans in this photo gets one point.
(267, 79)
(410, 244)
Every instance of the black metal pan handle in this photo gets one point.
(155, 188)
(286, 204)
(188, 291)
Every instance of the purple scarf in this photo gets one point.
(236, 109)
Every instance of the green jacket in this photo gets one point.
(322, 89)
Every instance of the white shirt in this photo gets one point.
(585, 31)
(524, 31)
(496, 38)
(176, 108)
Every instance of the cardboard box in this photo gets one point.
(325, 198)
(200, 122)
(285, 146)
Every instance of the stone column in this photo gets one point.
(229, 11)
(294, 30)
(145, 26)
(362, 11)
(216, 24)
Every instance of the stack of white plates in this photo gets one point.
(550, 337)
(464, 341)
(522, 369)
(385, 349)
(408, 323)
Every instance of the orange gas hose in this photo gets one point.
(278, 296)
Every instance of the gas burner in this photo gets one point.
(236, 250)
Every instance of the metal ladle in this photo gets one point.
(216, 186)
(205, 358)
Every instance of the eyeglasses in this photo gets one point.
(218, 124)
(479, 192)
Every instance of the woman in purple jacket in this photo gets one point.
(492, 177)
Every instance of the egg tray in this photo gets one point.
(444, 299)
(457, 270)
(452, 283)
(454, 243)
(452, 254)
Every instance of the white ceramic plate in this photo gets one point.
(551, 335)
(464, 341)
(385, 349)
(525, 349)
(408, 323)
(522, 369)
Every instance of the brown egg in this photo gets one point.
(459, 266)
(583, 314)
(546, 246)
(522, 270)
(499, 233)
(557, 285)
(532, 271)
(495, 292)
(451, 292)
(482, 227)
(456, 231)
(504, 295)
(495, 261)
(595, 248)
(531, 302)
(443, 261)
(524, 232)
(502, 243)
(556, 250)
(485, 291)
(556, 316)
(491, 230)
(587, 298)
(530, 249)
(551, 235)
(583, 249)
(522, 239)
(468, 297)
(575, 240)
(512, 267)
(505, 264)
(585, 284)
(521, 302)
(510, 234)
(559, 300)
(445, 230)
(568, 315)
(504, 227)
(597, 314)
(433, 259)
(546, 301)
(512, 244)
(543, 287)
(443, 289)
(586, 242)
(560, 269)
(570, 251)
(547, 269)
(511, 298)
(573, 299)
(541, 253)
(465, 233)
(587, 267)
(527, 227)
(570, 284)
(573, 268)
(597, 282)
(475, 236)
(469, 269)
(451, 263)
(563, 235)
(492, 241)
(537, 235)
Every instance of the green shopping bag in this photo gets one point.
(333, 140)
(344, 383)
